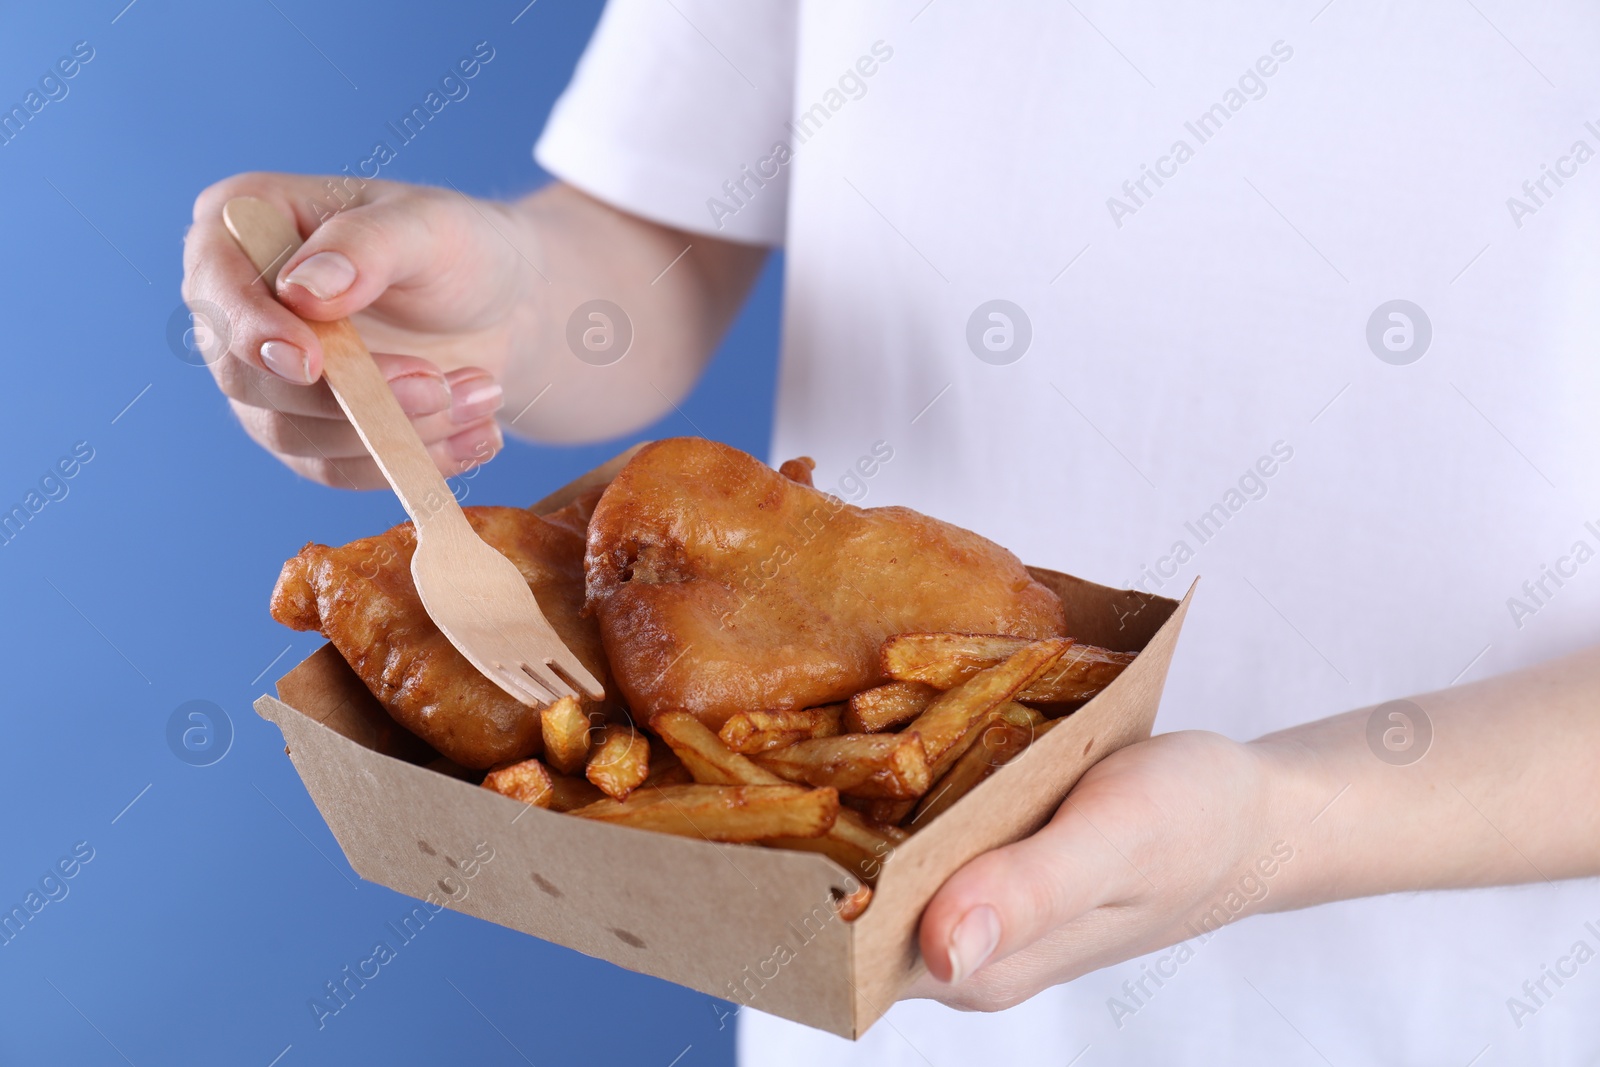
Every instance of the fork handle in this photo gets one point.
(370, 405)
(269, 239)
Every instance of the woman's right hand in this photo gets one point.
(425, 272)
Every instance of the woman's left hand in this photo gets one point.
(1150, 843)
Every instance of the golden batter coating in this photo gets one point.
(723, 586)
(361, 597)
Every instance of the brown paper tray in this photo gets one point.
(749, 924)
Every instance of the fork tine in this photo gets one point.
(505, 668)
(563, 671)
(529, 678)
(516, 679)
(508, 666)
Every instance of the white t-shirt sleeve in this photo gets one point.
(674, 100)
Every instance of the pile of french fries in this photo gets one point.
(850, 780)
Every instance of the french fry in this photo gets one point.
(864, 765)
(709, 760)
(881, 707)
(853, 842)
(666, 769)
(620, 763)
(946, 660)
(568, 734)
(750, 732)
(569, 792)
(850, 907)
(528, 781)
(958, 716)
(889, 812)
(723, 812)
(1013, 729)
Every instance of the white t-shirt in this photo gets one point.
(1198, 218)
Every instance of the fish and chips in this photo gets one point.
(781, 668)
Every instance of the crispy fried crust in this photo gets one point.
(799, 469)
(361, 597)
(722, 586)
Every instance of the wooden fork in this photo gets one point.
(476, 596)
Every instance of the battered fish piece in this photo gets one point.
(361, 597)
(723, 586)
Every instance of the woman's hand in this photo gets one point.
(466, 304)
(1151, 841)
(428, 280)
(1171, 838)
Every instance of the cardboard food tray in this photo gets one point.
(749, 924)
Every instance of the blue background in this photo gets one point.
(218, 903)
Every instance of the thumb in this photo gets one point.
(1006, 899)
(354, 257)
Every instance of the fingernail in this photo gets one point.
(286, 361)
(421, 393)
(477, 445)
(474, 399)
(973, 941)
(325, 275)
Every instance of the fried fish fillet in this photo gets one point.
(361, 597)
(723, 586)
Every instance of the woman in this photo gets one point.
(1299, 299)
